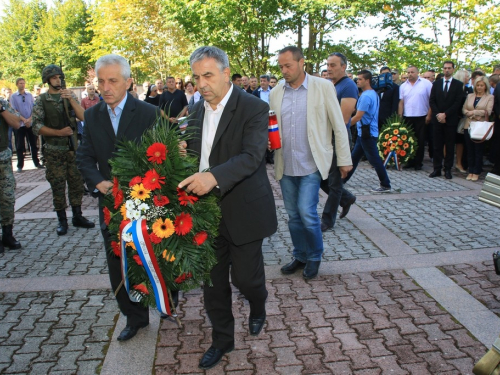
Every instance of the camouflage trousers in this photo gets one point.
(61, 169)
(7, 192)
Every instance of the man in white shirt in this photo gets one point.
(414, 107)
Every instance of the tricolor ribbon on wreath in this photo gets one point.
(140, 238)
(390, 155)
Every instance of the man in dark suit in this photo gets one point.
(496, 141)
(445, 101)
(230, 135)
(119, 116)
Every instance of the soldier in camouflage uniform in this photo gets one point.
(8, 117)
(60, 147)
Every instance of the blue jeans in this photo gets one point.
(369, 148)
(301, 197)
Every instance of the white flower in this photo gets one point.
(129, 204)
(137, 202)
(127, 237)
(143, 207)
(136, 215)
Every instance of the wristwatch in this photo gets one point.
(2, 108)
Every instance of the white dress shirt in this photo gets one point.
(210, 124)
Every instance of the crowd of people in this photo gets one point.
(327, 121)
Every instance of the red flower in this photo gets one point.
(141, 288)
(183, 224)
(107, 215)
(137, 259)
(136, 180)
(118, 199)
(116, 248)
(183, 277)
(200, 237)
(160, 200)
(184, 198)
(154, 238)
(152, 180)
(157, 153)
(116, 186)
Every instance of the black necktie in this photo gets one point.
(446, 88)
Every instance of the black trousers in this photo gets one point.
(444, 137)
(22, 133)
(136, 314)
(418, 126)
(246, 264)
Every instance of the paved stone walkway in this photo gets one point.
(406, 286)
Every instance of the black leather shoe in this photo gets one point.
(325, 227)
(418, 168)
(447, 174)
(311, 269)
(213, 356)
(129, 332)
(346, 208)
(291, 267)
(256, 323)
(435, 173)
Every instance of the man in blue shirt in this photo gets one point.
(347, 95)
(264, 90)
(366, 122)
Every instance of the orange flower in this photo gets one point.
(163, 229)
(167, 256)
(406, 145)
(140, 192)
(404, 137)
(123, 211)
(131, 244)
(400, 142)
(394, 138)
(395, 132)
(157, 153)
(387, 136)
(402, 153)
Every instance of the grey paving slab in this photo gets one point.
(135, 356)
(430, 225)
(44, 253)
(480, 321)
(30, 195)
(405, 181)
(38, 338)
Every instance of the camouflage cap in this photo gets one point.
(51, 71)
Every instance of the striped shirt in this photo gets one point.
(297, 155)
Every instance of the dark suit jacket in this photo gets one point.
(388, 104)
(237, 161)
(496, 105)
(99, 139)
(451, 105)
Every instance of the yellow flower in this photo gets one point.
(139, 192)
(131, 244)
(168, 257)
(123, 211)
(163, 229)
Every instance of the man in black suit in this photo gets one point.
(445, 101)
(230, 135)
(119, 116)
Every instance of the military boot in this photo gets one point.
(79, 220)
(62, 228)
(8, 239)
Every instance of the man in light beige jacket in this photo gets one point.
(308, 112)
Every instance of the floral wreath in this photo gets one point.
(397, 141)
(164, 236)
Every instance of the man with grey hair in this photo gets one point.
(119, 116)
(231, 140)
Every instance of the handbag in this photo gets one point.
(461, 125)
(489, 364)
(481, 131)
